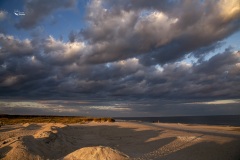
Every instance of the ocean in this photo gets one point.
(226, 120)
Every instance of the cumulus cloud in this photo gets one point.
(58, 52)
(54, 69)
(160, 31)
(11, 46)
(37, 10)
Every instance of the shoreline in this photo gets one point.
(219, 120)
(188, 124)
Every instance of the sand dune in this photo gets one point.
(97, 152)
(119, 141)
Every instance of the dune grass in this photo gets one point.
(15, 119)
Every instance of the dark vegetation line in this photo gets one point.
(15, 119)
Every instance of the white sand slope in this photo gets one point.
(97, 152)
(119, 141)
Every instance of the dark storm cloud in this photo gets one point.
(47, 72)
(14, 47)
(37, 10)
(162, 31)
(219, 63)
(201, 52)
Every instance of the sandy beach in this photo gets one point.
(119, 140)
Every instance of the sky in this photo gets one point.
(120, 58)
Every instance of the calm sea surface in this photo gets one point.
(228, 120)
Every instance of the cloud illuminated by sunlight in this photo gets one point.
(110, 108)
(229, 101)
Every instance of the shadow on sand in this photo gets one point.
(71, 138)
(207, 151)
(4, 151)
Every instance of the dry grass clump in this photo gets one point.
(103, 120)
(15, 119)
